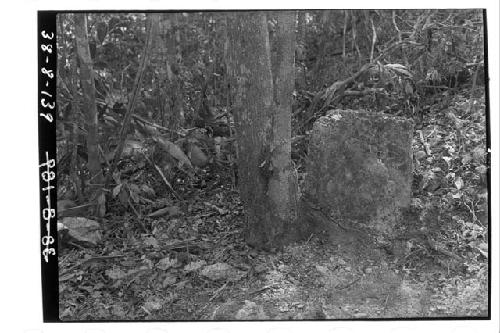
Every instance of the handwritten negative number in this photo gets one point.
(50, 105)
(48, 72)
(46, 35)
(46, 48)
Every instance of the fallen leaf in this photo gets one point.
(82, 230)
(222, 271)
(118, 311)
(198, 157)
(117, 190)
(153, 304)
(169, 280)
(148, 190)
(322, 269)
(260, 268)
(64, 204)
(166, 263)
(194, 266)
(478, 154)
(115, 273)
(482, 169)
(175, 151)
(151, 241)
(466, 159)
(171, 211)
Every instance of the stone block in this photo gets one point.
(359, 170)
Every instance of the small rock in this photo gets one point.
(153, 304)
(368, 270)
(284, 308)
(360, 315)
(322, 269)
(251, 311)
(420, 154)
(260, 268)
(222, 271)
(319, 314)
(285, 316)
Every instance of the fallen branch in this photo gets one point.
(166, 181)
(149, 123)
(474, 80)
(365, 92)
(347, 285)
(440, 249)
(424, 143)
(337, 89)
(374, 39)
(218, 291)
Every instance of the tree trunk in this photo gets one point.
(70, 80)
(300, 51)
(174, 115)
(283, 183)
(263, 127)
(73, 118)
(88, 90)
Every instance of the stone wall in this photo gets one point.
(359, 169)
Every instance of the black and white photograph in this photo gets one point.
(265, 165)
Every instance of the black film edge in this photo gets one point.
(46, 112)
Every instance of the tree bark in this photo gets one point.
(300, 49)
(175, 112)
(88, 90)
(73, 118)
(283, 183)
(263, 127)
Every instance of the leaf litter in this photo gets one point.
(191, 262)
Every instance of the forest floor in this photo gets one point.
(193, 264)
